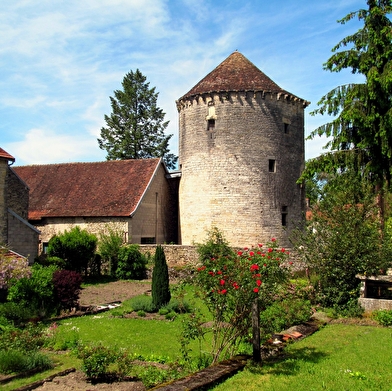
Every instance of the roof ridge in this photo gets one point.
(235, 73)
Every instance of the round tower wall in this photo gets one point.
(240, 156)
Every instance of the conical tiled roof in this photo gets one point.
(5, 155)
(236, 73)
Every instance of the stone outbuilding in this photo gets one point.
(137, 197)
(241, 151)
(16, 233)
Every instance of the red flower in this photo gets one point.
(255, 290)
(273, 240)
(239, 253)
(218, 272)
(260, 245)
(223, 291)
(258, 282)
(254, 267)
(251, 253)
(235, 285)
(258, 252)
(270, 250)
(283, 250)
(265, 265)
(211, 273)
(222, 282)
(257, 275)
(246, 248)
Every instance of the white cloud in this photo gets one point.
(43, 146)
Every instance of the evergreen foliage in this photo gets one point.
(160, 280)
(136, 127)
(76, 247)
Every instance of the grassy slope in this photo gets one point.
(338, 357)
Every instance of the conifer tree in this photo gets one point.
(160, 280)
(136, 127)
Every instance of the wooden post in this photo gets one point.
(256, 331)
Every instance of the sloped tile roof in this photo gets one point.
(6, 155)
(236, 73)
(111, 188)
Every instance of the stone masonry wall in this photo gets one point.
(241, 175)
(176, 255)
(3, 203)
(17, 195)
(22, 238)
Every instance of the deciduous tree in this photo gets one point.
(361, 129)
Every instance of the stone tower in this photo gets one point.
(241, 151)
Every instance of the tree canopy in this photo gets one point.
(136, 127)
(361, 131)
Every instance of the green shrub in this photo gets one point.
(36, 292)
(178, 306)
(110, 240)
(152, 376)
(143, 303)
(383, 317)
(131, 263)
(160, 280)
(15, 361)
(141, 313)
(31, 337)
(215, 246)
(96, 360)
(15, 313)
(171, 315)
(76, 247)
(284, 314)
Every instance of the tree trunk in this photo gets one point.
(256, 331)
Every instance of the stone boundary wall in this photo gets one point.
(370, 305)
(176, 255)
(182, 255)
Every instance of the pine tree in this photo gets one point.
(136, 127)
(160, 280)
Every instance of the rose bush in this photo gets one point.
(230, 284)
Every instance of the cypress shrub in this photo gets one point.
(160, 289)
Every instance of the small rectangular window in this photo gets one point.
(211, 124)
(286, 128)
(284, 215)
(271, 165)
(45, 246)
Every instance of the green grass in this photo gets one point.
(62, 362)
(140, 336)
(338, 357)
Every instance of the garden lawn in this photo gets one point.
(139, 336)
(338, 357)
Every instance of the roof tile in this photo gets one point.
(111, 188)
(236, 73)
(6, 155)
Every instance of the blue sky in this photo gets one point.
(61, 61)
